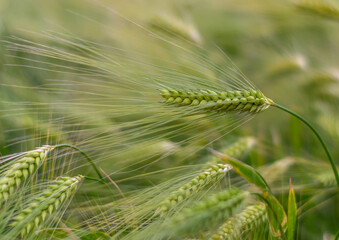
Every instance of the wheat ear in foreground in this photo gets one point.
(246, 100)
(49, 201)
(242, 101)
(23, 167)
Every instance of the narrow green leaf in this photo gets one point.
(292, 215)
(275, 211)
(246, 171)
(276, 215)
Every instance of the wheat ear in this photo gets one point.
(236, 101)
(209, 211)
(49, 201)
(326, 179)
(323, 8)
(23, 167)
(211, 175)
(247, 220)
(226, 101)
(236, 150)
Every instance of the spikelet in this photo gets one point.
(249, 219)
(208, 212)
(212, 175)
(236, 150)
(23, 167)
(49, 201)
(320, 7)
(224, 101)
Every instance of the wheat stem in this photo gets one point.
(335, 171)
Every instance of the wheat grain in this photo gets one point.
(23, 167)
(49, 201)
(227, 101)
(249, 219)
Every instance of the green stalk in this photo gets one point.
(335, 171)
(96, 169)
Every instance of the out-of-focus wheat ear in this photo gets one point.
(207, 212)
(236, 150)
(319, 7)
(325, 178)
(249, 219)
(287, 66)
(210, 176)
(247, 100)
(25, 166)
(49, 201)
(175, 27)
(323, 85)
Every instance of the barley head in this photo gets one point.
(249, 219)
(209, 211)
(223, 101)
(49, 201)
(211, 175)
(23, 167)
(236, 150)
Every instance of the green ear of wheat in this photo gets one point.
(226, 101)
(247, 220)
(212, 175)
(236, 150)
(49, 201)
(207, 212)
(20, 170)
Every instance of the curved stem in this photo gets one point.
(334, 168)
(85, 155)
